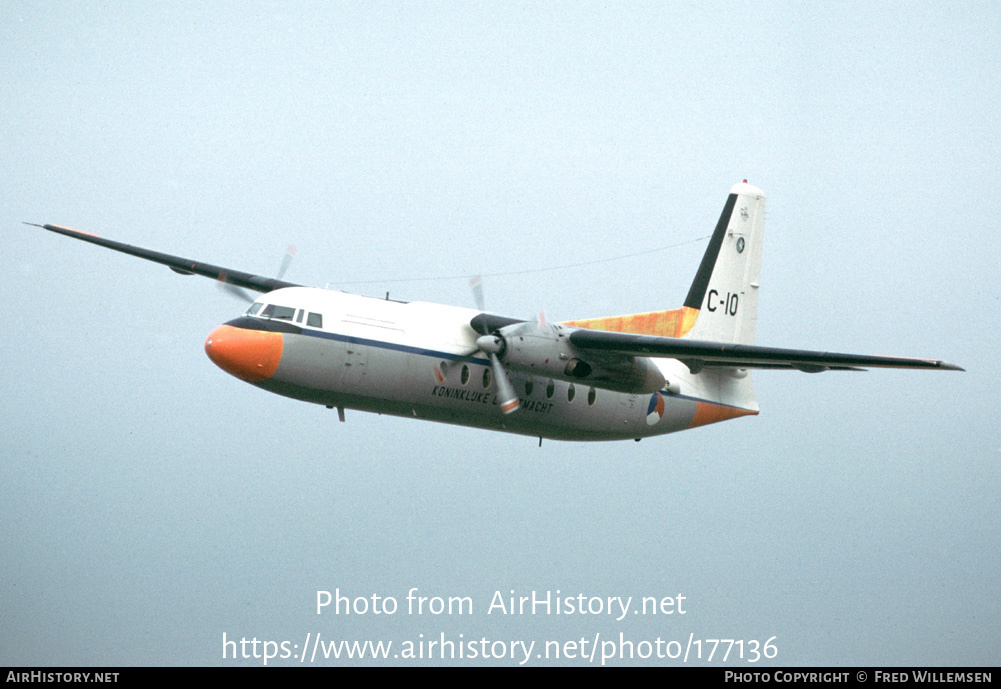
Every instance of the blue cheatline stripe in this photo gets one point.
(409, 349)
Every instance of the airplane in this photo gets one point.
(594, 379)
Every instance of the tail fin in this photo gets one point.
(725, 290)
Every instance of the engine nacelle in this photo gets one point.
(544, 350)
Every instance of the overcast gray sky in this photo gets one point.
(150, 503)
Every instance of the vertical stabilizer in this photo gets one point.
(725, 289)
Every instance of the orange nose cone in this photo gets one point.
(250, 355)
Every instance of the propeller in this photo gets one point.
(493, 346)
(243, 294)
(476, 285)
(233, 290)
(290, 253)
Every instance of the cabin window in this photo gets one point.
(529, 386)
(465, 374)
(550, 388)
(591, 396)
(571, 392)
(486, 378)
(314, 320)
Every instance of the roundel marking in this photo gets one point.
(655, 410)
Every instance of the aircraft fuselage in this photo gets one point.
(418, 360)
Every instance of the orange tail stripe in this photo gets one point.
(672, 323)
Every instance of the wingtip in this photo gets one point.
(62, 229)
(33, 224)
(945, 366)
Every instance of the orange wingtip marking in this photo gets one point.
(671, 323)
(73, 229)
(250, 355)
(707, 412)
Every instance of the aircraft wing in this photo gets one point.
(184, 266)
(697, 354)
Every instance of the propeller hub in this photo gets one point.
(491, 344)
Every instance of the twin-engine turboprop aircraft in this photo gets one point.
(595, 379)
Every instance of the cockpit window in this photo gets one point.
(284, 313)
(314, 320)
(254, 308)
